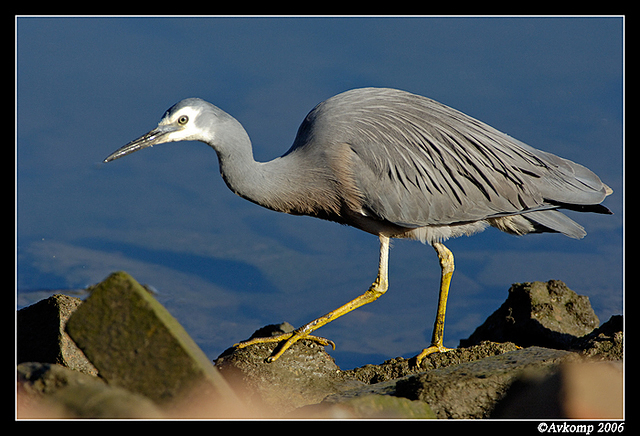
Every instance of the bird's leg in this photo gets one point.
(378, 288)
(446, 265)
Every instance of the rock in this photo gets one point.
(371, 406)
(576, 390)
(543, 314)
(154, 369)
(465, 390)
(471, 390)
(462, 383)
(605, 342)
(53, 391)
(303, 375)
(382, 381)
(136, 344)
(400, 367)
(41, 335)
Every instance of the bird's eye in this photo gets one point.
(183, 120)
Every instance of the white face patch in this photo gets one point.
(184, 122)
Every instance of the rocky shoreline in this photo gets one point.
(542, 355)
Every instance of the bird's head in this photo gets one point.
(187, 120)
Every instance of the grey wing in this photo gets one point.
(418, 163)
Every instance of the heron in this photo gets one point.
(396, 165)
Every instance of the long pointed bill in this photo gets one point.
(156, 136)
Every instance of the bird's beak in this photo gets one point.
(156, 136)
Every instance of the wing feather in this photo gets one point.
(418, 162)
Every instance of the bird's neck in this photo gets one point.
(283, 184)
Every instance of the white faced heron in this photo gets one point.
(397, 165)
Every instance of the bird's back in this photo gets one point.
(416, 162)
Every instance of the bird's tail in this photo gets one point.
(555, 221)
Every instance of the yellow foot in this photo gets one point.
(287, 339)
(430, 350)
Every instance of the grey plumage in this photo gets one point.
(396, 165)
(388, 161)
(419, 163)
